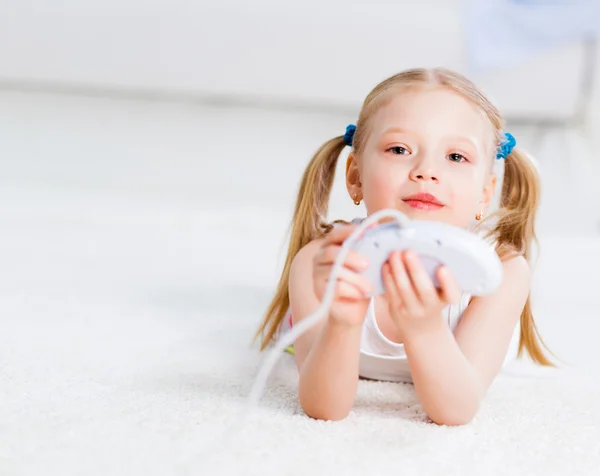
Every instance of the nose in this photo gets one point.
(423, 171)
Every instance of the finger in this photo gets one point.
(450, 290)
(346, 275)
(353, 260)
(339, 234)
(347, 291)
(389, 285)
(422, 283)
(404, 286)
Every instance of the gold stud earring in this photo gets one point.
(356, 201)
(480, 215)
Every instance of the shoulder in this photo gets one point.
(300, 280)
(515, 286)
(304, 257)
(308, 251)
(516, 275)
(306, 254)
(516, 264)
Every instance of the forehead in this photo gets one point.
(433, 113)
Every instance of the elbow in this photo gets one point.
(451, 420)
(454, 417)
(320, 411)
(457, 411)
(325, 415)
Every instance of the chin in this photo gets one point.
(427, 217)
(418, 214)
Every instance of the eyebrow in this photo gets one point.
(468, 140)
(398, 129)
(458, 138)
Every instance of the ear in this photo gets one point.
(353, 177)
(488, 191)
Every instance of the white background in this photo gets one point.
(150, 155)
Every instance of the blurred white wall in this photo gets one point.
(325, 53)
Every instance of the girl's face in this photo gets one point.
(428, 154)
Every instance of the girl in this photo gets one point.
(425, 143)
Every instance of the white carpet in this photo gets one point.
(128, 298)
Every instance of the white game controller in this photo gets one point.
(473, 262)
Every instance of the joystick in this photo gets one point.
(473, 263)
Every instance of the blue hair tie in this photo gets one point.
(349, 135)
(506, 147)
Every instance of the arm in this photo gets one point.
(452, 373)
(326, 355)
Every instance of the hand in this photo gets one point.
(415, 304)
(350, 303)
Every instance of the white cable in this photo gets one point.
(299, 329)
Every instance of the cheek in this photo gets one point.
(379, 185)
(464, 206)
(376, 192)
(463, 197)
(466, 191)
(467, 181)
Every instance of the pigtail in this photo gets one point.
(309, 222)
(515, 233)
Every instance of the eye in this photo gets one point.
(398, 150)
(457, 158)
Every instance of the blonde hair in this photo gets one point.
(514, 230)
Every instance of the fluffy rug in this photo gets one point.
(533, 421)
(95, 388)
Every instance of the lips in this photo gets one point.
(423, 201)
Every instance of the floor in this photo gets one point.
(139, 246)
